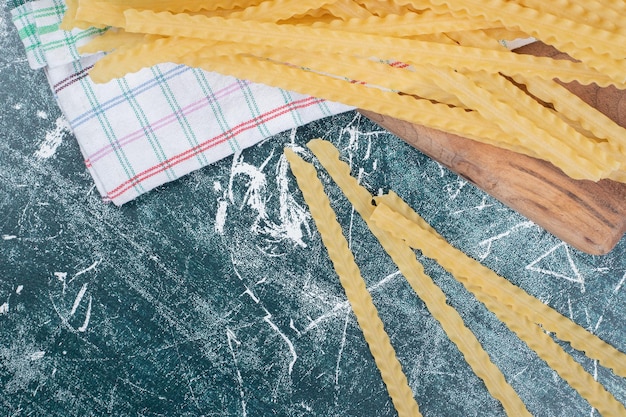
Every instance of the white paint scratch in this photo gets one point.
(78, 299)
(293, 327)
(292, 218)
(251, 295)
(19, 289)
(4, 308)
(231, 337)
(53, 139)
(342, 345)
(488, 242)
(455, 191)
(83, 328)
(222, 208)
(483, 205)
(292, 349)
(577, 276)
(35, 356)
(84, 271)
(569, 307)
(256, 185)
(8, 237)
(60, 275)
(620, 284)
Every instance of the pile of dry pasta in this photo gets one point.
(438, 63)
(400, 230)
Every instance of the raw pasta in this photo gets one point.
(453, 45)
(354, 286)
(422, 284)
(397, 227)
(511, 305)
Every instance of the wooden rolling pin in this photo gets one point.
(590, 216)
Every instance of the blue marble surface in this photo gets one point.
(214, 296)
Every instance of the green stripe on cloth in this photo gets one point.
(182, 120)
(22, 18)
(106, 127)
(143, 121)
(57, 10)
(47, 29)
(288, 101)
(254, 108)
(208, 92)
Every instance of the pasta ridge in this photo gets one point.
(545, 26)
(382, 47)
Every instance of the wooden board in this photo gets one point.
(587, 215)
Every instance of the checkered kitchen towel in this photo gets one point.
(154, 126)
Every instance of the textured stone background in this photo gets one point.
(214, 296)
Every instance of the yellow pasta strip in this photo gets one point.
(275, 10)
(217, 12)
(408, 24)
(421, 236)
(476, 38)
(437, 116)
(502, 33)
(347, 9)
(599, 49)
(590, 12)
(101, 13)
(619, 175)
(383, 7)
(571, 144)
(546, 26)
(186, 5)
(562, 152)
(354, 286)
(404, 50)
(566, 103)
(573, 107)
(499, 304)
(374, 73)
(69, 21)
(423, 286)
(142, 55)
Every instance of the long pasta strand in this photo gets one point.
(405, 50)
(438, 116)
(499, 304)
(354, 286)
(423, 286)
(423, 237)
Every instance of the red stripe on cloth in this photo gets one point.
(204, 146)
(398, 64)
(161, 123)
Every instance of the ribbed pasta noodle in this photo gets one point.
(359, 298)
(448, 52)
(405, 223)
(504, 304)
(422, 284)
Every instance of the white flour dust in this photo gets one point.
(53, 139)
